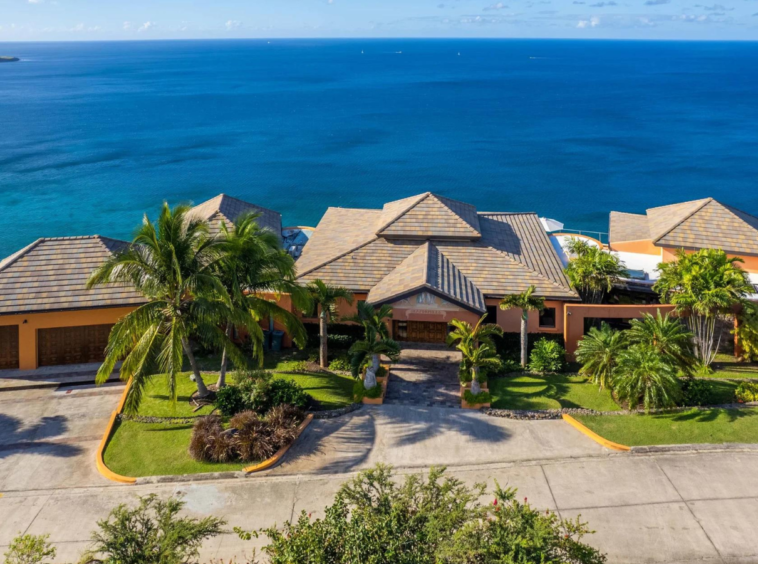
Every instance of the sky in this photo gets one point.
(98, 20)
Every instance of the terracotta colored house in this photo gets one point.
(435, 259)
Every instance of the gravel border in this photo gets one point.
(544, 414)
(332, 413)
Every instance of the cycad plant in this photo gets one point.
(592, 271)
(646, 377)
(253, 263)
(325, 297)
(372, 347)
(172, 264)
(464, 333)
(372, 318)
(667, 335)
(598, 353)
(526, 301)
(478, 357)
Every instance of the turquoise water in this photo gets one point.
(92, 135)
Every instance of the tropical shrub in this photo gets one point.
(30, 549)
(340, 364)
(592, 272)
(205, 432)
(426, 520)
(151, 533)
(360, 391)
(666, 334)
(509, 365)
(254, 438)
(746, 332)
(547, 356)
(645, 377)
(517, 533)
(299, 367)
(598, 354)
(481, 397)
(285, 415)
(229, 400)
(696, 391)
(381, 372)
(287, 392)
(747, 391)
(525, 301)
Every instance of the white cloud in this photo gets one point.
(36, 1)
(146, 26)
(594, 21)
(497, 6)
(232, 24)
(127, 25)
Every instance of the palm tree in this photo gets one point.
(598, 353)
(373, 346)
(171, 263)
(592, 272)
(644, 376)
(478, 357)
(463, 332)
(665, 334)
(704, 286)
(372, 318)
(526, 302)
(325, 297)
(254, 263)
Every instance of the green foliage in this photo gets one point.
(598, 353)
(360, 391)
(747, 332)
(432, 520)
(667, 335)
(261, 392)
(747, 391)
(230, 400)
(515, 532)
(381, 372)
(372, 319)
(696, 391)
(151, 533)
(547, 356)
(340, 364)
(300, 366)
(370, 350)
(645, 377)
(591, 271)
(464, 332)
(30, 549)
(481, 397)
(509, 365)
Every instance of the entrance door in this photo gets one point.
(72, 345)
(420, 331)
(8, 346)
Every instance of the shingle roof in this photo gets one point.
(428, 268)
(50, 275)
(698, 224)
(227, 209)
(512, 252)
(429, 215)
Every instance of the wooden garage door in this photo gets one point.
(72, 345)
(8, 346)
(420, 331)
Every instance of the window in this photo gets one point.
(491, 314)
(547, 318)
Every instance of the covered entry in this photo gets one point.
(8, 346)
(72, 345)
(420, 331)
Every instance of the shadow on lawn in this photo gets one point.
(514, 391)
(708, 415)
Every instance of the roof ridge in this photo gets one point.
(452, 211)
(705, 202)
(420, 198)
(507, 213)
(736, 212)
(13, 258)
(530, 269)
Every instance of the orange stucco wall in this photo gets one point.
(510, 320)
(28, 324)
(575, 315)
(644, 247)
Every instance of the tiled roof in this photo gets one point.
(627, 227)
(429, 215)
(428, 268)
(227, 209)
(697, 224)
(512, 253)
(50, 275)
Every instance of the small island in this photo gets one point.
(8, 59)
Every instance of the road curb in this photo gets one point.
(99, 461)
(695, 447)
(593, 435)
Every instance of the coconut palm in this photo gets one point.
(704, 286)
(598, 353)
(372, 318)
(645, 376)
(325, 297)
(476, 358)
(525, 301)
(171, 263)
(665, 334)
(373, 346)
(253, 263)
(592, 272)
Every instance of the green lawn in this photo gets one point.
(332, 391)
(140, 449)
(696, 426)
(725, 366)
(155, 401)
(553, 391)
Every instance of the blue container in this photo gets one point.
(266, 340)
(276, 341)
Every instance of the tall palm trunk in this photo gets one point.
(475, 387)
(202, 391)
(221, 382)
(322, 338)
(524, 337)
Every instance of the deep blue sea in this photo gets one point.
(94, 134)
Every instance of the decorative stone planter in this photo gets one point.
(383, 382)
(465, 404)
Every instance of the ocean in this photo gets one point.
(93, 135)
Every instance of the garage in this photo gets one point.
(72, 345)
(8, 346)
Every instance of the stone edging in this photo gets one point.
(697, 447)
(332, 413)
(541, 414)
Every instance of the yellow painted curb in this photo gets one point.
(269, 462)
(593, 435)
(99, 462)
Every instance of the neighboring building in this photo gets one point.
(435, 259)
(226, 209)
(643, 241)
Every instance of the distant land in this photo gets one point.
(8, 59)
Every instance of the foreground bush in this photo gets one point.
(151, 533)
(696, 391)
(747, 391)
(377, 520)
(547, 356)
(30, 549)
(259, 391)
(645, 377)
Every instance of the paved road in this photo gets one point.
(665, 508)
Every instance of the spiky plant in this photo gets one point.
(526, 301)
(592, 271)
(325, 298)
(372, 318)
(598, 352)
(646, 377)
(666, 334)
(372, 348)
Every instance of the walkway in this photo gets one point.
(426, 376)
